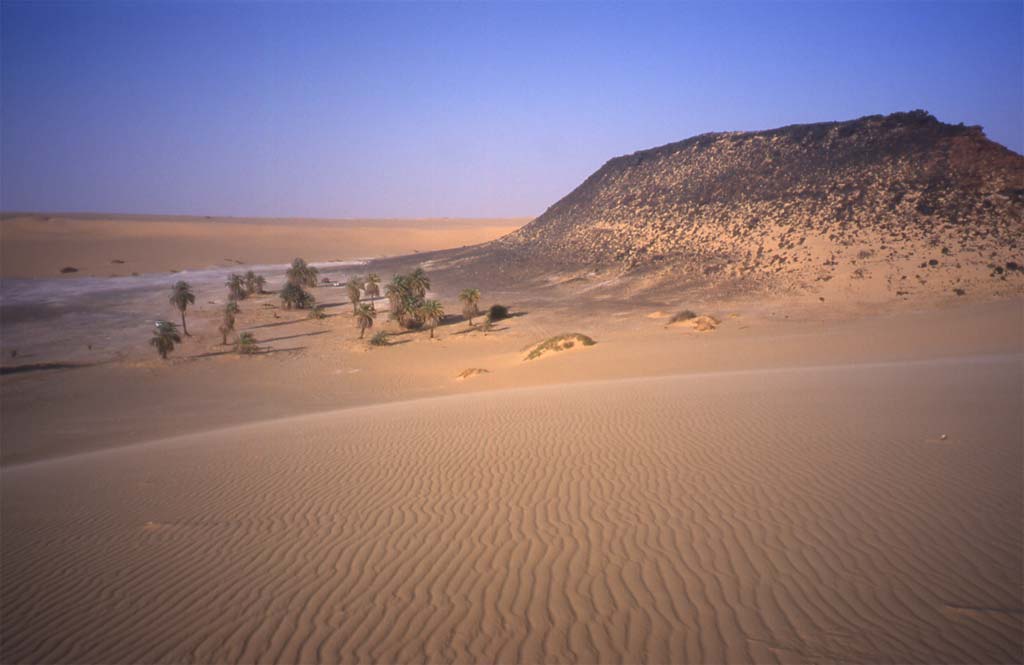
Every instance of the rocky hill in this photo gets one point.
(897, 201)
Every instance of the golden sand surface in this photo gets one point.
(33, 245)
(802, 482)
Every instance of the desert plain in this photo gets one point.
(808, 479)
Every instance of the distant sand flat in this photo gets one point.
(39, 245)
(787, 515)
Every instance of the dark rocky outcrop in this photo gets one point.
(784, 207)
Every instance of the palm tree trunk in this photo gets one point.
(183, 326)
(362, 331)
(431, 332)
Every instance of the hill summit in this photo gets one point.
(790, 207)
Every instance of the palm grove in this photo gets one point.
(406, 294)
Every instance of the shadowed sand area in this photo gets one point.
(796, 515)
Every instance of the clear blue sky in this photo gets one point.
(347, 110)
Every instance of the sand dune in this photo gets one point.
(781, 515)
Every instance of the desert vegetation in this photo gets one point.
(236, 287)
(372, 286)
(431, 312)
(294, 296)
(299, 276)
(406, 295)
(365, 314)
(302, 274)
(227, 324)
(559, 343)
(354, 288)
(254, 284)
(181, 298)
(469, 299)
(497, 312)
(246, 344)
(165, 336)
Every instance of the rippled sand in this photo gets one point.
(812, 514)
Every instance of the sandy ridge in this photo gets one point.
(371, 408)
(755, 516)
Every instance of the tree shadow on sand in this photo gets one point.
(279, 339)
(453, 319)
(477, 329)
(278, 323)
(398, 343)
(232, 352)
(39, 367)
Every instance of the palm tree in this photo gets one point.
(365, 314)
(311, 275)
(431, 312)
(293, 295)
(372, 286)
(397, 291)
(232, 307)
(227, 325)
(419, 283)
(236, 287)
(296, 274)
(225, 328)
(469, 298)
(250, 282)
(164, 338)
(302, 274)
(182, 297)
(353, 287)
(405, 293)
(259, 282)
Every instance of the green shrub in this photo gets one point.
(379, 339)
(559, 343)
(497, 312)
(246, 344)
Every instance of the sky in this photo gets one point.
(305, 109)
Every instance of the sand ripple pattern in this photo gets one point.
(783, 516)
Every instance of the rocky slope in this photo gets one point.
(894, 202)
